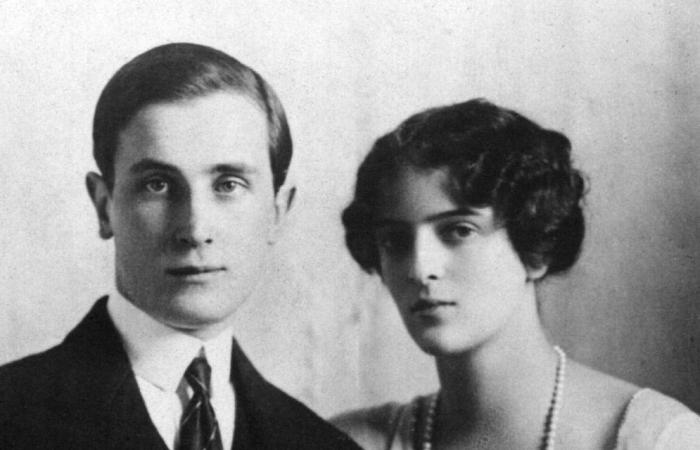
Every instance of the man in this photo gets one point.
(193, 149)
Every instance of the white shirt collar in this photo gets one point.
(161, 354)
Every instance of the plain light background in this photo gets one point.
(621, 80)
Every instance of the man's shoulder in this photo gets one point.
(46, 373)
(280, 420)
(35, 376)
(57, 398)
(311, 429)
(36, 399)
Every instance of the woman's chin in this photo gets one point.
(440, 342)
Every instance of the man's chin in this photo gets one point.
(198, 320)
(200, 327)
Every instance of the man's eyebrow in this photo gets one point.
(151, 164)
(388, 221)
(237, 168)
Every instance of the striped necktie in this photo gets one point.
(199, 429)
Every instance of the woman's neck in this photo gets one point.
(503, 386)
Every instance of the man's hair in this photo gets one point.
(493, 157)
(183, 71)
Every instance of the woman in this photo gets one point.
(462, 211)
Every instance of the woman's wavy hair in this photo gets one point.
(494, 157)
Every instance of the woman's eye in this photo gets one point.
(457, 232)
(157, 185)
(228, 186)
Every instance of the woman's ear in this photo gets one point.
(101, 199)
(535, 274)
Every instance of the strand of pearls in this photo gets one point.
(550, 431)
(551, 420)
(427, 440)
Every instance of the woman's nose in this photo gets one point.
(428, 258)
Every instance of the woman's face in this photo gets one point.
(452, 272)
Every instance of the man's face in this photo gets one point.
(192, 210)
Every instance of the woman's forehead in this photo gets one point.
(413, 194)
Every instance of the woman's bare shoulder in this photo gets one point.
(611, 413)
(599, 391)
(373, 427)
(656, 421)
(594, 405)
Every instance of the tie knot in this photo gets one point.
(198, 375)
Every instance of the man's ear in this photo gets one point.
(101, 198)
(283, 203)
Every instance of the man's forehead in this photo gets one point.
(221, 128)
(220, 109)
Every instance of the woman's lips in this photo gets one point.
(424, 305)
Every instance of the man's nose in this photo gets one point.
(194, 221)
(428, 258)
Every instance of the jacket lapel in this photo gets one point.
(267, 418)
(251, 427)
(107, 391)
(110, 412)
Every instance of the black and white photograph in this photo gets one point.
(390, 225)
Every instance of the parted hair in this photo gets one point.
(493, 157)
(182, 71)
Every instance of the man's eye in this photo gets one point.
(228, 186)
(157, 185)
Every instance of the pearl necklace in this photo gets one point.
(551, 419)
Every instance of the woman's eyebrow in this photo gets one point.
(388, 221)
(453, 213)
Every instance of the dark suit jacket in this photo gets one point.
(82, 394)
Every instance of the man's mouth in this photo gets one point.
(424, 305)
